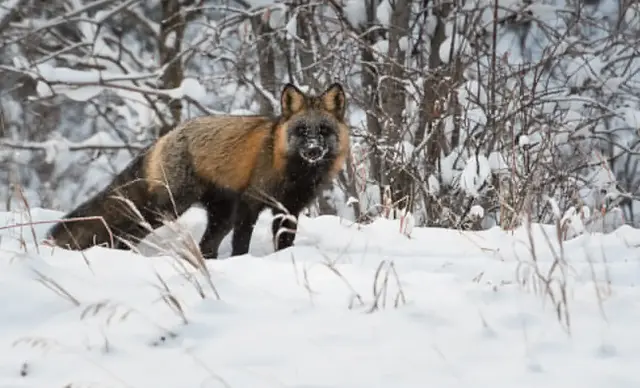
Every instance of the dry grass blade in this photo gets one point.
(60, 220)
(175, 305)
(400, 296)
(87, 218)
(187, 250)
(23, 199)
(36, 342)
(380, 293)
(55, 287)
(171, 301)
(108, 307)
(356, 295)
(184, 248)
(554, 287)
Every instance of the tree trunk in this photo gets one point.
(393, 100)
(266, 62)
(171, 36)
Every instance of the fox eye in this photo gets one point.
(325, 130)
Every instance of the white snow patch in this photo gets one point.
(381, 49)
(631, 116)
(523, 141)
(53, 147)
(431, 23)
(356, 12)
(405, 148)
(476, 211)
(80, 93)
(170, 39)
(497, 162)
(190, 87)
(451, 311)
(448, 167)
(44, 90)
(433, 185)
(383, 13)
(292, 27)
(613, 83)
(472, 94)
(403, 43)
(101, 139)
(475, 173)
(277, 18)
(459, 44)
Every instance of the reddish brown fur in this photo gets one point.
(224, 150)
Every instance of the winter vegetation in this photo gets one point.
(485, 221)
(465, 114)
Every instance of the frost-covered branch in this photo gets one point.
(65, 145)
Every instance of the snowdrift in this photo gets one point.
(349, 306)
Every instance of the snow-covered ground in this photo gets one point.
(456, 310)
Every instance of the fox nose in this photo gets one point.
(314, 152)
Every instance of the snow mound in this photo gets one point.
(348, 306)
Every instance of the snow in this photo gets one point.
(632, 15)
(476, 172)
(59, 145)
(476, 211)
(381, 49)
(170, 39)
(431, 24)
(355, 12)
(190, 87)
(497, 162)
(451, 313)
(631, 117)
(523, 141)
(277, 17)
(433, 185)
(456, 41)
(472, 94)
(384, 12)
(403, 43)
(83, 85)
(53, 147)
(292, 27)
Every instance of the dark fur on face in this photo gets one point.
(313, 130)
(313, 138)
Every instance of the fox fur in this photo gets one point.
(230, 165)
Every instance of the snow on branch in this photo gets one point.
(83, 85)
(100, 141)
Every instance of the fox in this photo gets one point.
(228, 164)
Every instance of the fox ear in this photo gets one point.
(334, 100)
(291, 100)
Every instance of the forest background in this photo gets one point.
(464, 113)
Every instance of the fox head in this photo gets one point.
(315, 128)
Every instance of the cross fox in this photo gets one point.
(229, 164)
